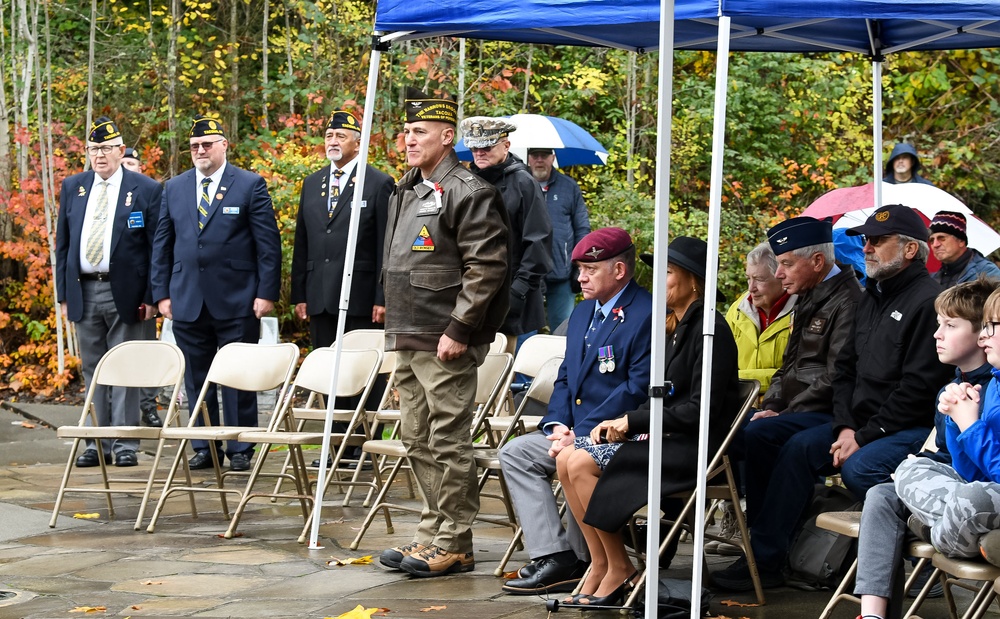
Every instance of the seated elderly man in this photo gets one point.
(950, 244)
(604, 374)
(885, 379)
(761, 321)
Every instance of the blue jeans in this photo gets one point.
(559, 302)
(799, 459)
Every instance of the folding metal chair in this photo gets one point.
(247, 367)
(719, 465)
(135, 364)
(492, 379)
(358, 370)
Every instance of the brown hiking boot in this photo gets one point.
(394, 556)
(436, 561)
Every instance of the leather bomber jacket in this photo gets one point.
(445, 268)
(821, 324)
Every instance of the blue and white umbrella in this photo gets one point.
(571, 143)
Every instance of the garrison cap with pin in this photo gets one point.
(484, 131)
(206, 125)
(130, 153)
(104, 130)
(420, 106)
(602, 244)
(893, 219)
(799, 232)
(342, 119)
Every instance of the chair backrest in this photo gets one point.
(536, 350)
(357, 371)
(930, 445)
(499, 343)
(362, 339)
(748, 390)
(253, 367)
(491, 382)
(539, 391)
(140, 363)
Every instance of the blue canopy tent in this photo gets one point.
(872, 27)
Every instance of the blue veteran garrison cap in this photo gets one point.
(799, 232)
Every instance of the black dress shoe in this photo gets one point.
(126, 457)
(151, 419)
(315, 463)
(201, 460)
(239, 462)
(525, 571)
(551, 575)
(89, 458)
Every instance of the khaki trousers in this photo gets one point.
(435, 399)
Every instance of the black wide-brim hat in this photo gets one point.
(687, 252)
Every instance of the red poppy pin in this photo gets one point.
(619, 313)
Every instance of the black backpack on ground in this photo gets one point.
(818, 558)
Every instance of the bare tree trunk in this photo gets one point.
(631, 109)
(527, 80)
(234, 67)
(90, 74)
(26, 79)
(5, 169)
(263, 98)
(45, 159)
(461, 80)
(175, 22)
(288, 56)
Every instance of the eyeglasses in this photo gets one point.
(990, 327)
(205, 146)
(105, 149)
(875, 241)
(482, 149)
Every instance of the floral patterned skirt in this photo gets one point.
(602, 452)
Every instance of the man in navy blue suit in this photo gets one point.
(104, 238)
(604, 374)
(216, 272)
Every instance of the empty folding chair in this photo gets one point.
(247, 367)
(135, 364)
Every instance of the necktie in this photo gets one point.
(204, 203)
(334, 192)
(99, 226)
(595, 324)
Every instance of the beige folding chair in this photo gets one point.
(492, 379)
(534, 353)
(499, 344)
(718, 466)
(539, 393)
(954, 571)
(145, 363)
(247, 367)
(849, 523)
(358, 370)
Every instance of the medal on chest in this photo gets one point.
(606, 357)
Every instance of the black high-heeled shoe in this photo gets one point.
(585, 601)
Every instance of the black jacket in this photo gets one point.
(623, 486)
(822, 323)
(530, 242)
(888, 375)
(321, 243)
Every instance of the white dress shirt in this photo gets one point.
(113, 189)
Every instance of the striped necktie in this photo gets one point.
(204, 203)
(334, 192)
(98, 227)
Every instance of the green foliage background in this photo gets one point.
(798, 125)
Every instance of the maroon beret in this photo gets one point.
(602, 244)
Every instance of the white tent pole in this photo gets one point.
(711, 288)
(877, 126)
(664, 120)
(345, 288)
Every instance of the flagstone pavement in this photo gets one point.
(186, 568)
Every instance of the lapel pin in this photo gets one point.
(83, 191)
(128, 199)
(218, 196)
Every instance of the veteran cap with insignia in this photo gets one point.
(799, 232)
(131, 154)
(342, 119)
(103, 131)
(206, 125)
(484, 131)
(602, 244)
(420, 106)
(893, 219)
